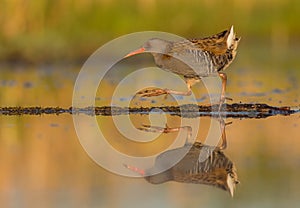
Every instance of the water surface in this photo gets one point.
(42, 162)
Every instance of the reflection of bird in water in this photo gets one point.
(193, 59)
(216, 170)
(202, 164)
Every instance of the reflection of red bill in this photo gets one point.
(135, 169)
(138, 51)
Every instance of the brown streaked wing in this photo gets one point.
(215, 44)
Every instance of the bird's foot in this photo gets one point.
(157, 129)
(167, 129)
(153, 92)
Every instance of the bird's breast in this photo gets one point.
(189, 63)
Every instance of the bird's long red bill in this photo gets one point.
(135, 169)
(138, 51)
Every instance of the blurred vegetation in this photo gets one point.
(36, 31)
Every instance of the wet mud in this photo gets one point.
(235, 110)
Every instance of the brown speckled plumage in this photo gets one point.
(198, 163)
(194, 58)
(214, 169)
(215, 48)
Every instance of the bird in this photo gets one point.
(201, 164)
(216, 170)
(192, 58)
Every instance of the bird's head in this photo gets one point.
(153, 45)
(160, 177)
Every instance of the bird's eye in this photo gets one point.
(147, 45)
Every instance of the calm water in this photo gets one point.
(43, 163)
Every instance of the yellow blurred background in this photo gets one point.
(42, 47)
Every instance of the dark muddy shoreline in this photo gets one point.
(236, 110)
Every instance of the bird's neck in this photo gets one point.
(222, 61)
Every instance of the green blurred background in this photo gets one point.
(40, 31)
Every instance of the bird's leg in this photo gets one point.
(152, 92)
(158, 129)
(223, 77)
(157, 91)
(189, 82)
(167, 130)
(223, 144)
